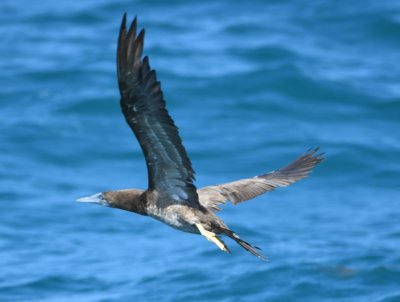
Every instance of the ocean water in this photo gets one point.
(251, 85)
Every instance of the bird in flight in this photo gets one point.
(171, 196)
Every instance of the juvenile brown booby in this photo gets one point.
(171, 196)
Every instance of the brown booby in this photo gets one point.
(171, 196)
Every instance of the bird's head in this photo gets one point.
(129, 200)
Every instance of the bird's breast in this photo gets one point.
(177, 216)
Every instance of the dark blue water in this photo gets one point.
(251, 85)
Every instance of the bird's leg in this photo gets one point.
(212, 237)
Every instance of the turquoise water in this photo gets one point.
(251, 85)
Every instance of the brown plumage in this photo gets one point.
(171, 196)
(248, 188)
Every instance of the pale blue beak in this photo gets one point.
(96, 198)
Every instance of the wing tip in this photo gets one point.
(132, 28)
(123, 22)
(140, 37)
(129, 49)
(313, 154)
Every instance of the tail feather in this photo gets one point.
(247, 246)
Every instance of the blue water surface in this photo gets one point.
(252, 85)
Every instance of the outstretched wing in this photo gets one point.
(249, 188)
(169, 168)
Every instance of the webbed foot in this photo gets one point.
(212, 237)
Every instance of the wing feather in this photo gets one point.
(245, 189)
(169, 168)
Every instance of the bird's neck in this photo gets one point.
(131, 200)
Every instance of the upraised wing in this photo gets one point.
(245, 189)
(169, 168)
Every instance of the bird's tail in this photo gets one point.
(247, 246)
